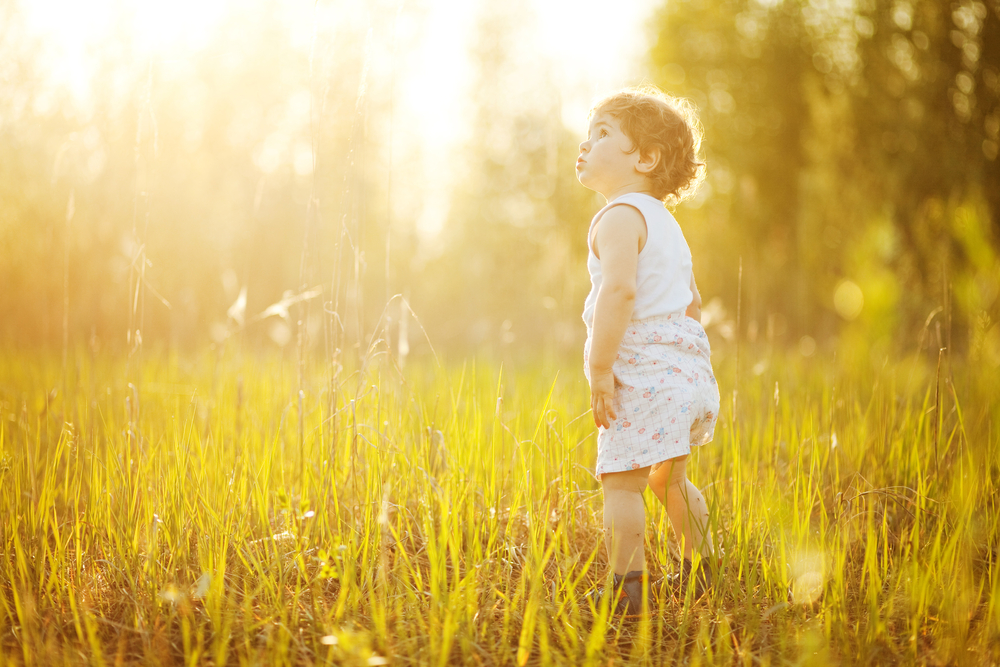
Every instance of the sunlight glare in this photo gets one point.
(569, 52)
(73, 34)
(69, 31)
(166, 28)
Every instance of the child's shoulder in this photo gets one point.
(621, 213)
(618, 223)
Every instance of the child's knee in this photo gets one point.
(668, 474)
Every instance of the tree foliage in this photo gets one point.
(847, 142)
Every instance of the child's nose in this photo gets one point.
(583, 147)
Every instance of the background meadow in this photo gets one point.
(291, 351)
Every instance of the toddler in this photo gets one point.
(652, 389)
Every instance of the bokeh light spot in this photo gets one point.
(807, 346)
(848, 300)
(808, 575)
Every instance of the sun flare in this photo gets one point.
(75, 35)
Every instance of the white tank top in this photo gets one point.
(663, 275)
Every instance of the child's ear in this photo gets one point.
(648, 161)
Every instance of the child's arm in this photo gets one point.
(694, 310)
(619, 234)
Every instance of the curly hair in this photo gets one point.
(653, 120)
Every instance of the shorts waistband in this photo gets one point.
(658, 319)
(678, 316)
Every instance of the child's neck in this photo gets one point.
(640, 187)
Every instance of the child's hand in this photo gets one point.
(602, 397)
(694, 310)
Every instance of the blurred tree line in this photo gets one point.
(852, 172)
(847, 143)
(509, 271)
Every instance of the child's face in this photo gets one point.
(607, 163)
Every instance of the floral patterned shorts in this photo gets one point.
(666, 397)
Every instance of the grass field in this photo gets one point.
(212, 514)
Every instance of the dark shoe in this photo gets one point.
(700, 577)
(626, 595)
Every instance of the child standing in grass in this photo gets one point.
(652, 389)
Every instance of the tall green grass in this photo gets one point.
(450, 516)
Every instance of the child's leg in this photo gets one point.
(685, 505)
(625, 519)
